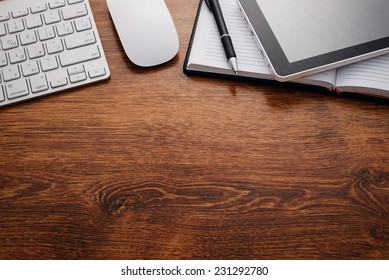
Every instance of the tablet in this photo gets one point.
(303, 37)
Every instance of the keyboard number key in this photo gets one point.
(34, 21)
(56, 4)
(15, 26)
(46, 33)
(51, 17)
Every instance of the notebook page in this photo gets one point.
(371, 74)
(207, 52)
(207, 49)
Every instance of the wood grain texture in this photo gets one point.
(154, 164)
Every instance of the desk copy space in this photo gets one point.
(154, 164)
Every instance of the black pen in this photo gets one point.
(214, 6)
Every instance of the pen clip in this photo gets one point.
(208, 4)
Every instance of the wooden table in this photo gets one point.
(154, 164)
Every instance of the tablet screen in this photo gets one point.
(308, 28)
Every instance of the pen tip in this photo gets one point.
(234, 64)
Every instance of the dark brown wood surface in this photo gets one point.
(154, 164)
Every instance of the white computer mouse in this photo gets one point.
(146, 30)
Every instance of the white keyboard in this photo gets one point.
(47, 46)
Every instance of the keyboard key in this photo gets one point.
(74, 11)
(46, 33)
(71, 2)
(77, 78)
(15, 26)
(35, 51)
(38, 83)
(54, 4)
(34, 21)
(30, 68)
(82, 24)
(3, 59)
(28, 37)
(64, 28)
(38, 8)
(80, 39)
(17, 55)
(11, 72)
(76, 69)
(59, 82)
(79, 55)
(20, 13)
(48, 63)
(4, 16)
(97, 72)
(54, 46)
(2, 29)
(9, 42)
(2, 98)
(52, 17)
(16, 89)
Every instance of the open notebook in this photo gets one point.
(206, 56)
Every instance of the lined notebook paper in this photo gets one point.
(250, 59)
(372, 73)
(208, 51)
(206, 56)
